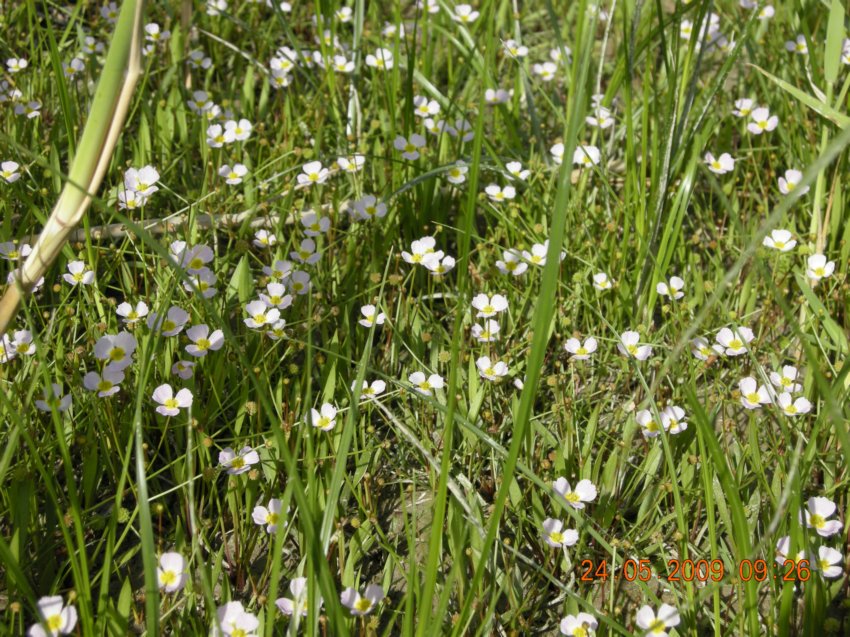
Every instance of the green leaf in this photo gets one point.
(822, 109)
(834, 41)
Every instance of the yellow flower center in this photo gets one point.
(488, 309)
(572, 496)
(54, 622)
(260, 318)
(196, 263)
(632, 349)
(168, 325)
(104, 385)
(581, 351)
(202, 343)
(753, 397)
(171, 403)
(557, 537)
(735, 343)
(425, 385)
(117, 354)
(166, 578)
(817, 520)
(238, 462)
(272, 518)
(78, 276)
(363, 605)
(820, 272)
(791, 409)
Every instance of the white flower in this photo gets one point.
(268, 516)
(789, 182)
(628, 346)
(489, 306)
(672, 288)
(491, 370)
(236, 463)
(53, 398)
(457, 173)
(486, 333)
(649, 426)
(423, 107)
(368, 207)
(786, 380)
(581, 351)
(586, 156)
(299, 282)
(425, 385)
(601, 281)
(409, 147)
(654, 624)
(537, 256)
(324, 418)
(237, 131)
(766, 12)
(734, 343)
(585, 491)
(515, 170)
(342, 64)
(279, 271)
(514, 50)
(16, 65)
(233, 176)
(382, 59)
(370, 391)
(720, 165)
(557, 152)
(30, 109)
(173, 322)
(183, 369)
(55, 618)
(422, 249)
(817, 267)
(215, 136)
(351, 164)
(601, 118)
(315, 225)
(170, 403)
(512, 262)
(817, 511)
(77, 274)
(171, 572)
(260, 315)
(9, 171)
(798, 45)
(203, 341)
(277, 297)
(106, 384)
(234, 620)
(130, 314)
(496, 96)
(439, 267)
(312, 173)
(545, 71)
(464, 14)
(752, 395)
(791, 407)
(581, 625)
(371, 316)
(142, 180)
(362, 605)
(743, 107)
(829, 562)
(673, 419)
(117, 349)
(264, 239)
(298, 605)
(762, 121)
(556, 536)
(497, 194)
(783, 548)
(781, 240)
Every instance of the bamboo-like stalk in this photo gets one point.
(108, 111)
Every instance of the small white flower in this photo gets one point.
(753, 396)
(512, 263)
(497, 194)
(268, 516)
(53, 397)
(786, 380)
(514, 50)
(264, 239)
(260, 315)
(601, 281)
(423, 107)
(817, 511)
(236, 463)
(734, 343)
(233, 176)
(409, 147)
(486, 333)
(457, 173)
(719, 165)
(9, 171)
(368, 390)
(798, 45)
(171, 572)
(170, 403)
(423, 385)
(237, 131)
(673, 288)
(584, 491)
(132, 314)
(312, 173)
(791, 407)
(55, 618)
(586, 156)
(581, 351)
(790, 181)
(556, 536)
(655, 624)
(489, 306)
(781, 240)
(78, 274)
(817, 267)
(491, 370)
(464, 14)
(371, 316)
(762, 121)
(362, 605)
(382, 59)
(629, 346)
(324, 418)
(545, 71)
